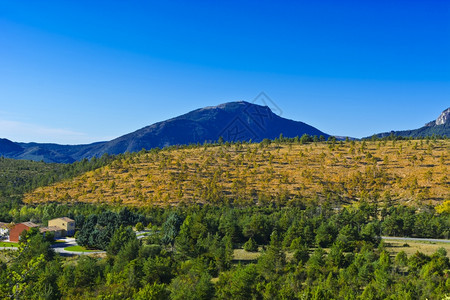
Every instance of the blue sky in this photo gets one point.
(82, 71)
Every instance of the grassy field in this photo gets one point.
(411, 172)
(59, 242)
(9, 244)
(79, 249)
(411, 247)
(240, 255)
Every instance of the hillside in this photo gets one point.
(438, 127)
(20, 176)
(233, 121)
(411, 172)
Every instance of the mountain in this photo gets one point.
(233, 121)
(52, 153)
(9, 148)
(443, 119)
(439, 127)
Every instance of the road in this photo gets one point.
(144, 233)
(67, 242)
(8, 248)
(415, 239)
(59, 248)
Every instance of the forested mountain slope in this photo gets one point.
(438, 127)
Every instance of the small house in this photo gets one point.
(15, 232)
(67, 224)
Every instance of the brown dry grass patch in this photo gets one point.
(411, 247)
(242, 255)
(411, 172)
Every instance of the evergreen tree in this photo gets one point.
(251, 245)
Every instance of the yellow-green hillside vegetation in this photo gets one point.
(412, 172)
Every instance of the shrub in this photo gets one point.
(139, 226)
(251, 245)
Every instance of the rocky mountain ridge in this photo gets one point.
(444, 118)
(233, 121)
(439, 127)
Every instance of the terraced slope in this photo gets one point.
(412, 172)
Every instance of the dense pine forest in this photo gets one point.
(285, 219)
(197, 252)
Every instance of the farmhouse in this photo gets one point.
(60, 227)
(15, 232)
(65, 224)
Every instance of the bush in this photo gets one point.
(139, 226)
(251, 245)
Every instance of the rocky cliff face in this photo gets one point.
(444, 118)
(438, 127)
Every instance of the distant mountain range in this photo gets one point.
(440, 127)
(233, 121)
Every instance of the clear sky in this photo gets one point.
(82, 71)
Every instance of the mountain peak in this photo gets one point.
(231, 121)
(443, 118)
(227, 105)
(232, 106)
